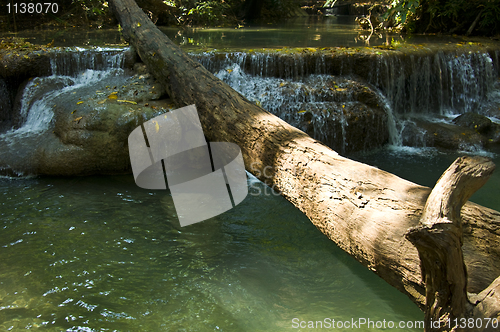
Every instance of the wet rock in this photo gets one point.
(92, 137)
(345, 127)
(449, 136)
(344, 114)
(140, 68)
(88, 132)
(22, 64)
(413, 135)
(481, 124)
(478, 122)
(142, 87)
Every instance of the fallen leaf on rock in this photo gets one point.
(127, 101)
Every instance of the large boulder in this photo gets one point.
(481, 124)
(443, 135)
(92, 131)
(478, 122)
(88, 132)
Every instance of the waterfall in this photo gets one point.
(440, 83)
(73, 71)
(437, 82)
(72, 61)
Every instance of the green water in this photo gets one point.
(425, 165)
(101, 254)
(315, 31)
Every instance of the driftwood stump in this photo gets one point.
(439, 238)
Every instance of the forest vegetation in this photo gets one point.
(478, 17)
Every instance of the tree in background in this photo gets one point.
(96, 14)
(446, 16)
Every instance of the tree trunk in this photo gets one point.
(364, 210)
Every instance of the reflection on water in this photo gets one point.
(99, 254)
(314, 31)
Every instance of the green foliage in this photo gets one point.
(224, 12)
(278, 9)
(459, 15)
(329, 3)
(207, 13)
(490, 18)
(451, 16)
(95, 7)
(400, 10)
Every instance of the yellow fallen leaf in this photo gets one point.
(73, 112)
(102, 101)
(301, 111)
(229, 71)
(80, 102)
(113, 96)
(138, 24)
(127, 101)
(282, 83)
(78, 119)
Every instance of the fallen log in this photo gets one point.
(364, 210)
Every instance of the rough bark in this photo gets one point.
(438, 239)
(364, 210)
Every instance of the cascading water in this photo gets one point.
(318, 104)
(430, 84)
(72, 71)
